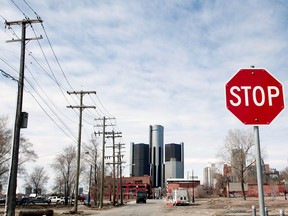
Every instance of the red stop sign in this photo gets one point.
(254, 96)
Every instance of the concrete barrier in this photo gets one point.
(48, 212)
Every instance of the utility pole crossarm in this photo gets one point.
(104, 136)
(12, 180)
(81, 92)
(80, 107)
(24, 21)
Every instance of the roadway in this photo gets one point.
(151, 208)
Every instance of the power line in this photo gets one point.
(8, 75)
(54, 79)
(56, 57)
(74, 139)
(12, 180)
(102, 105)
(19, 9)
(6, 62)
(49, 107)
(50, 68)
(52, 74)
(38, 17)
(81, 107)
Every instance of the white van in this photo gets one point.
(33, 195)
(180, 197)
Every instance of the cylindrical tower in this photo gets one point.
(156, 155)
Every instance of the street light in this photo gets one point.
(121, 192)
(89, 190)
(89, 185)
(193, 185)
(193, 196)
(93, 157)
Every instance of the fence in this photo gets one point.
(266, 211)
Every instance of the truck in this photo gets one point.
(180, 197)
(141, 196)
(39, 200)
(54, 199)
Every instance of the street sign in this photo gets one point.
(254, 96)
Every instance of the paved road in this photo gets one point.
(151, 208)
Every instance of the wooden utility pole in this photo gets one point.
(103, 159)
(81, 108)
(114, 135)
(12, 181)
(120, 170)
(193, 186)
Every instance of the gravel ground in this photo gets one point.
(201, 207)
(229, 207)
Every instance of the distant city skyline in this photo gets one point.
(159, 160)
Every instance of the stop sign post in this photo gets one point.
(255, 97)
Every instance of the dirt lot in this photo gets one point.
(230, 207)
(201, 207)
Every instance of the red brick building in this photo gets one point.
(270, 189)
(270, 186)
(189, 184)
(130, 186)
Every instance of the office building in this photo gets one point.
(174, 160)
(139, 158)
(209, 176)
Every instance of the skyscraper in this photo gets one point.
(156, 142)
(148, 159)
(209, 173)
(139, 158)
(174, 160)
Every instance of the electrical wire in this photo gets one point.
(52, 76)
(49, 66)
(38, 17)
(26, 17)
(73, 138)
(47, 105)
(54, 54)
(49, 99)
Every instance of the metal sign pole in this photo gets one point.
(259, 172)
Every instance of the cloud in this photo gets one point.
(150, 62)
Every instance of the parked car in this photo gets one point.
(39, 200)
(2, 200)
(33, 195)
(22, 201)
(62, 200)
(54, 199)
(82, 197)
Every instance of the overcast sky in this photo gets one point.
(150, 62)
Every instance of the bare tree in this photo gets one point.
(26, 152)
(237, 152)
(65, 165)
(284, 174)
(37, 179)
(92, 160)
(284, 177)
(5, 149)
(221, 182)
(59, 185)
